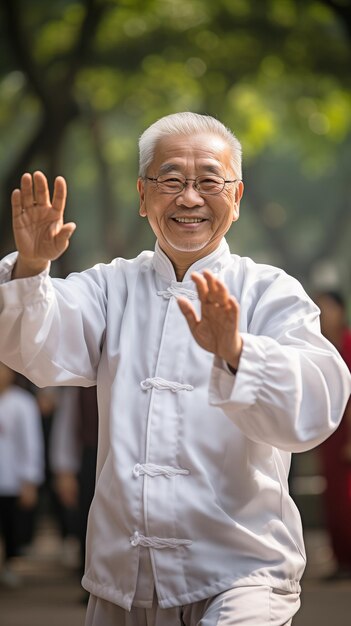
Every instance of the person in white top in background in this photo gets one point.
(21, 462)
(210, 370)
(64, 455)
(73, 448)
(64, 449)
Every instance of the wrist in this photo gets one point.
(25, 268)
(233, 370)
(232, 359)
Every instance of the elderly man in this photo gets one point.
(199, 409)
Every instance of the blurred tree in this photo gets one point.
(80, 79)
(53, 89)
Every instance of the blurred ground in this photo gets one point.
(50, 593)
(322, 603)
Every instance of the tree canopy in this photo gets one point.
(81, 79)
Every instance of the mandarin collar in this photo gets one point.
(214, 262)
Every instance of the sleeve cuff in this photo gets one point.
(19, 292)
(8, 263)
(6, 266)
(241, 390)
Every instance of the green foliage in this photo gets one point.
(98, 71)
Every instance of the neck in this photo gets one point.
(181, 269)
(181, 260)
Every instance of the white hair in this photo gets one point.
(185, 123)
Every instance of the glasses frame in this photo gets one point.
(193, 180)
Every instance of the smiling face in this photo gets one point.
(189, 225)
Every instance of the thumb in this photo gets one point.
(62, 238)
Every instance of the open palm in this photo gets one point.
(38, 227)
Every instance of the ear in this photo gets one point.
(236, 212)
(238, 195)
(141, 191)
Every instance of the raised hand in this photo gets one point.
(38, 227)
(218, 328)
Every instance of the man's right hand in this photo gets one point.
(39, 231)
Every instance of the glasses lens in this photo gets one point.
(170, 184)
(209, 184)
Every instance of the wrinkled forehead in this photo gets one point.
(205, 151)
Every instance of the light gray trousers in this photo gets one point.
(240, 606)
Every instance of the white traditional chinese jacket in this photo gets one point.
(191, 494)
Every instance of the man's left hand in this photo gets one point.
(217, 330)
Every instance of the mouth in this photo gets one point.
(189, 220)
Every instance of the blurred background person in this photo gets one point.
(64, 462)
(64, 515)
(335, 452)
(21, 464)
(73, 449)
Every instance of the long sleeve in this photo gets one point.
(51, 329)
(292, 385)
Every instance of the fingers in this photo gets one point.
(35, 190)
(41, 189)
(189, 312)
(217, 291)
(27, 193)
(16, 202)
(234, 307)
(201, 285)
(60, 194)
(210, 289)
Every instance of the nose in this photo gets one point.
(189, 197)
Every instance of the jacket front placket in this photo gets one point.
(162, 469)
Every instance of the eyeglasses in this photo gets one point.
(205, 185)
